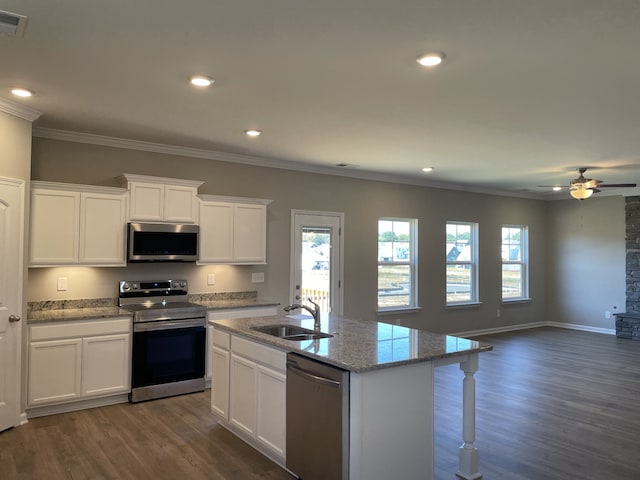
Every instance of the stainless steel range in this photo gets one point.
(169, 339)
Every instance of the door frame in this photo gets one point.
(15, 377)
(339, 269)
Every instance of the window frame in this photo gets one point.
(473, 263)
(523, 262)
(411, 262)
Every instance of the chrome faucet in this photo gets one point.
(315, 312)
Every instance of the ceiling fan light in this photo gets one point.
(581, 193)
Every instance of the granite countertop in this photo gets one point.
(70, 314)
(97, 308)
(222, 304)
(357, 345)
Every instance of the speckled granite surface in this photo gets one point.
(95, 308)
(227, 300)
(358, 345)
(69, 314)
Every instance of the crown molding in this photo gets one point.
(20, 111)
(266, 162)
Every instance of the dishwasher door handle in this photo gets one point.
(314, 378)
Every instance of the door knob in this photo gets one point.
(14, 318)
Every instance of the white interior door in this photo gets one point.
(316, 259)
(11, 254)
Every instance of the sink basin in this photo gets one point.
(291, 332)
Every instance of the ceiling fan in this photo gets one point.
(582, 188)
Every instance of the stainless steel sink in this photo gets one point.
(291, 332)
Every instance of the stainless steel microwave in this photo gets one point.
(162, 242)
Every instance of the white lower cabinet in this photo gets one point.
(55, 371)
(105, 364)
(240, 312)
(250, 395)
(72, 361)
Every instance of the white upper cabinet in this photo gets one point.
(233, 230)
(159, 199)
(77, 224)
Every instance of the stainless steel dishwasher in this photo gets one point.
(317, 419)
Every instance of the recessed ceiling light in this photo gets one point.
(201, 80)
(253, 133)
(427, 169)
(22, 92)
(431, 59)
(557, 189)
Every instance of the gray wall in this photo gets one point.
(361, 201)
(586, 261)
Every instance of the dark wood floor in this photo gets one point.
(552, 404)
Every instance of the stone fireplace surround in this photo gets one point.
(628, 323)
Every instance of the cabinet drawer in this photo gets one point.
(221, 339)
(271, 357)
(90, 328)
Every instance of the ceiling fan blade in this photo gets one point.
(617, 185)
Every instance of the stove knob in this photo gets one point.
(183, 284)
(126, 287)
(134, 286)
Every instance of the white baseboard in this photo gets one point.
(75, 406)
(525, 326)
(584, 328)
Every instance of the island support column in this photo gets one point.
(468, 453)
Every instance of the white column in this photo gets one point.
(468, 453)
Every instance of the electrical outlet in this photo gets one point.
(257, 277)
(498, 313)
(211, 279)
(62, 284)
(607, 314)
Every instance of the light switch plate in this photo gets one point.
(257, 277)
(62, 284)
(211, 279)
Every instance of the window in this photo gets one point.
(397, 261)
(515, 262)
(462, 262)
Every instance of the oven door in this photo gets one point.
(168, 358)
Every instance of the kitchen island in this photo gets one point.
(391, 433)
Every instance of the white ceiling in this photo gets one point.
(530, 89)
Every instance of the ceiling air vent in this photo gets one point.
(12, 23)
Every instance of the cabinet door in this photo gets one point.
(54, 227)
(180, 204)
(54, 371)
(271, 414)
(249, 233)
(106, 364)
(242, 395)
(216, 232)
(147, 202)
(102, 229)
(220, 382)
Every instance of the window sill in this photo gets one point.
(462, 305)
(394, 311)
(517, 300)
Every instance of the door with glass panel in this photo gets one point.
(316, 263)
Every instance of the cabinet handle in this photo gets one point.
(14, 318)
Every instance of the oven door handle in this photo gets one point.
(168, 325)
